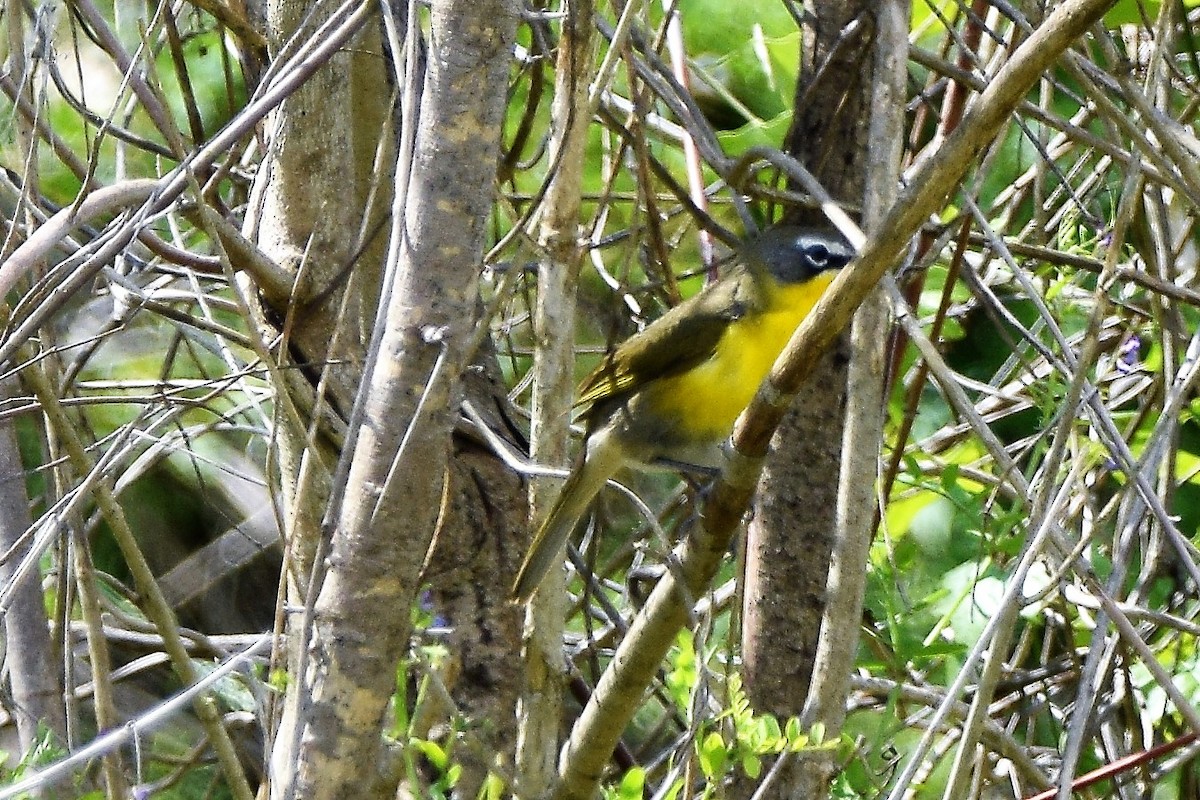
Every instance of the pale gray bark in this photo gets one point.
(312, 230)
(393, 491)
(309, 214)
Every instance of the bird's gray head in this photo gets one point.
(793, 253)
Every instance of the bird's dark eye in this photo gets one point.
(818, 254)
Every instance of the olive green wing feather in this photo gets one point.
(674, 343)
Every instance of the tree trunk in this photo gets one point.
(792, 533)
(292, 216)
(385, 516)
(804, 513)
(481, 535)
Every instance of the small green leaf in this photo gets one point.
(633, 783)
(278, 680)
(683, 675)
(713, 755)
(673, 792)
(772, 734)
(795, 735)
(433, 752)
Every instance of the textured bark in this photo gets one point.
(388, 509)
(310, 202)
(481, 536)
(857, 497)
(789, 542)
(792, 534)
(307, 207)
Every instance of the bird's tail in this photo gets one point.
(583, 484)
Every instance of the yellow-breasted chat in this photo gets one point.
(668, 396)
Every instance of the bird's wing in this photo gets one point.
(674, 343)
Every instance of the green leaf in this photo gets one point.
(278, 680)
(1126, 12)
(765, 132)
(683, 674)
(767, 735)
(433, 752)
(713, 755)
(632, 785)
(673, 792)
(796, 737)
(493, 787)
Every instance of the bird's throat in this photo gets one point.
(706, 400)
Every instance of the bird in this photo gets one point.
(668, 396)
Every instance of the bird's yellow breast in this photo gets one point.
(706, 400)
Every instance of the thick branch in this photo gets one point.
(388, 511)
